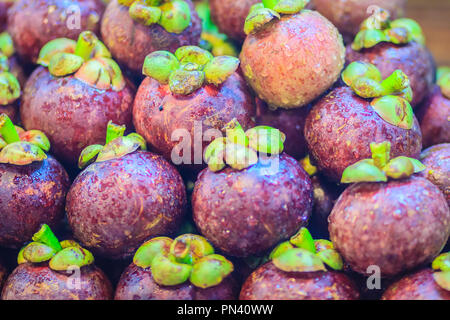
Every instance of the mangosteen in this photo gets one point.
(290, 56)
(290, 122)
(230, 16)
(9, 58)
(123, 198)
(74, 93)
(341, 126)
(187, 98)
(392, 45)
(252, 195)
(33, 23)
(132, 29)
(347, 15)
(301, 269)
(185, 268)
(52, 270)
(33, 185)
(426, 284)
(388, 218)
(4, 6)
(10, 90)
(437, 161)
(434, 112)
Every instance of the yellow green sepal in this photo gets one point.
(443, 81)
(380, 167)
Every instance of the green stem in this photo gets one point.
(114, 131)
(8, 130)
(380, 153)
(46, 236)
(86, 44)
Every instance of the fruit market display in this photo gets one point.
(221, 150)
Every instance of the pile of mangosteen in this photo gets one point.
(221, 150)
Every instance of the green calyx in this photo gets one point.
(380, 167)
(21, 147)
(261, 14)
(443, 81)
(442, 267)
(116, 145)
(9, 86)
(379, 28)
(310, 169)
(304, 254)
(391, 97)
(61, 256)
(87, 59)
(189, 68)
(6, 45)
(173, 15)
(187, 257)
(241, 149)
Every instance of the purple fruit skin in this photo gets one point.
(114, 206)
(247, 212)
(138, 284)
(414, 59)
(39, 282)
(270, 283)
(341, 126)
(30, 195)
(434, 115)
(417, 286)
(72, 113)
(437, 161)
(379, 223)
(130, 42)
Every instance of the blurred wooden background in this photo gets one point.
(434, 17)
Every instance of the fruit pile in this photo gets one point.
(195, 150)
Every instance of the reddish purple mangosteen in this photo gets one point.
(187, 98)
(301, 269)
(125, 197)
(185, 268)
(347, 15)
(437, 162)
(252, 195)
(376, 221)
(341, 126)
(426, 284)
(132, 29)
(33, 185)
(434, 112)
(33, 23)
(290, 122)
(74, 93)
(395, 45)
(52, 270)
(291, 55)
(4, 6)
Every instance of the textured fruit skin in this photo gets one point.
(138, 284)
(270, 283)
(72, 113)
(39, 282)
(417, 286)
(157, 113)
(293, 60)
(30, 195)
(33, 23)
(290, 122)
(437, 161)
(247, 212)
(130, 42)
(347, 15)
(379, 223)
(341, 126)
(114, 206)
(229, 16)
(413, 59)
(434, 115)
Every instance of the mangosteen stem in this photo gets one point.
(114, 131)
(8, 130)
(380, 153)
(46, 236)
(86, 44)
